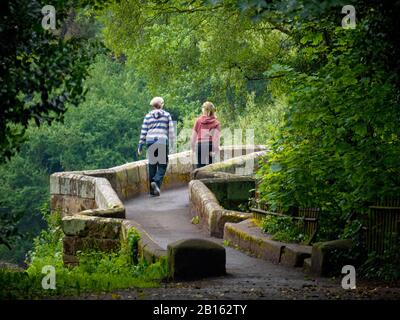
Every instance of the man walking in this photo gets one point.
(157, 132)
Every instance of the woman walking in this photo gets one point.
(206, 136)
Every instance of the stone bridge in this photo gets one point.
(100, 207)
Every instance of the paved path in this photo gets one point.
(166, 219)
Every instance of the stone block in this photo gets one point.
(68, 205)
(328, 258)
(184, 164)
(64, 181)
(196, 258)
(122, 182)
(106, 197)
(118, 213)
(293, 255)
(248, 237)
(73, 244)
(132, 170)
(143, 176)
(95, 227)
(54, 183)
(108, 174)
(86, 187)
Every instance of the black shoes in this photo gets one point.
(155, 190)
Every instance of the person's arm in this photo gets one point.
(143, 134)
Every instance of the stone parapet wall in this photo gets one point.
(244, 165)
(247, 236)
(76, 191)
(73, 193)
(147, 248)
(84, 233)
(207, 208)
(214, 188)
(93, 198)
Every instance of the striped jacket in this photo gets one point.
(157, 125)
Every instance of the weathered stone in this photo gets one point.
(147, 248)
(195, 258)
(64, 181)
(204, 204)
(307, 265)
(73, 244)
(54, 183)
(68, 205)
(245, 165)
(133, 186)
(86, 187)
(70, 260)
(72, 184)
(293, 255)
(122, 182)
(118, 213)
(106, 197)
(232, 217)
(150, 251)
(173, 180)
(96, 227)
(143, 176)
(132, 172)
(108, 174)
(232, 191)
(248, 237)
(329, 257)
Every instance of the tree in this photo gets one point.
(40, 71)
(197, 51)
(102, 132)
(339, 145)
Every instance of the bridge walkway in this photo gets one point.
(167, 219)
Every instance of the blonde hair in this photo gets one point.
(157, 102)
(209, 108)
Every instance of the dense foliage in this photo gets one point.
(323, 97)
(284, 229)
(114, 107)
(97, 272)
(41, 70)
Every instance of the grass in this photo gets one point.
(97, 271)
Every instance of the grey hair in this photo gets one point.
(157, 102)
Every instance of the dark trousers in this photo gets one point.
(157, 154)
(204, 157)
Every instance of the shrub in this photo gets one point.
(97, 271)
(284, 228)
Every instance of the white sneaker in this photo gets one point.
(156, 189)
